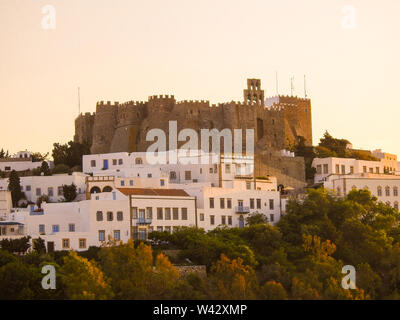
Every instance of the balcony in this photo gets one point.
(241, 209)
(142, 221)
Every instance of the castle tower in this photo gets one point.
(253, 94)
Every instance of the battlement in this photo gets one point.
(195, 103)
(107, 104)
(157, 97)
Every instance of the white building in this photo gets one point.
(35, 186)
(357, 174)
(5, 204)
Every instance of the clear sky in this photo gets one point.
(121, 50)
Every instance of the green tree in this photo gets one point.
(256, 218)
(14, 186)
(69, 192)
(45, 169)
(70, 153)
(272, 290)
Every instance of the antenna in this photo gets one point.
(291, 86)
(79, 100)
(276, 83)
(305, 88)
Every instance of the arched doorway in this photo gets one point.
(95, 190)
(107, 189)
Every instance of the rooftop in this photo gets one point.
(154, 192)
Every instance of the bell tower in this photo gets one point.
(253, 94)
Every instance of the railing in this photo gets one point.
(143, 221)
(241, 209)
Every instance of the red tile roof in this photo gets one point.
(154, 192)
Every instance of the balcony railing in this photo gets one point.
(241, 209)
(143, 221)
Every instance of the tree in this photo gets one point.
(69, 192)
(4, 154)
(39, 157)
(272, 290)
(19, 245)
(132, 273)
(39, 245)
(233, 280)
(83, 280)
(42, 198)
(70, 153)
(14, 186)
(61, 168)
(45, 169)
(256, 218)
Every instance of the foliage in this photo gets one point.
(14, 185)
(4, 154)
(70, 154)
(20, 245)
(42, 198)
(69, 192)
(60, 168)
(256, 218)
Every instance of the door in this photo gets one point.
(50, 246)
(105, 164)
(241, 222)
(141, 215)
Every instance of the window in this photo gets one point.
(122, 183)
(201, 216)
(377, 169)
(65, 243)
(175, 213)
(120, 216)
(38, 191)
(188, 175)
(168, 229)
(41, 228)
(396, 205)
(184, 214)
(351, 169)
(99, 216)
(271, 217)
(102, 235)
(159, 213)
(387, 191)
(60, 191)
(114, 162)
(379, 191)
(134, 213)
(28, 188)
(240, 203)
(120, 161)
(337, 169)
(212, 220)
(71, 227)
(364, 169)
(50, 191)
(227, 168)
(395, 192)
(271, 204)
(172, 175)
(211, 170)
(230, 220)
(162, 182)
(251, 203)
(215, 168)
(222, 203)
(223, 220)
(258, 203)
(93, 163)
(167, 213)
(325, 168)
(248, 185)
(7, 168)
(211, 203)
(138, 161)
(371, 170)
(343, 169)
(131, 183)
(159, 229)
(55, 228)
(319, 169)
(229, 203)
(82, 243)
(117, 235)
(149, 175)
(149, 211)
(110, 216)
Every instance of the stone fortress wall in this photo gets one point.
(116, 127)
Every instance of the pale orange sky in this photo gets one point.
(127, 50)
